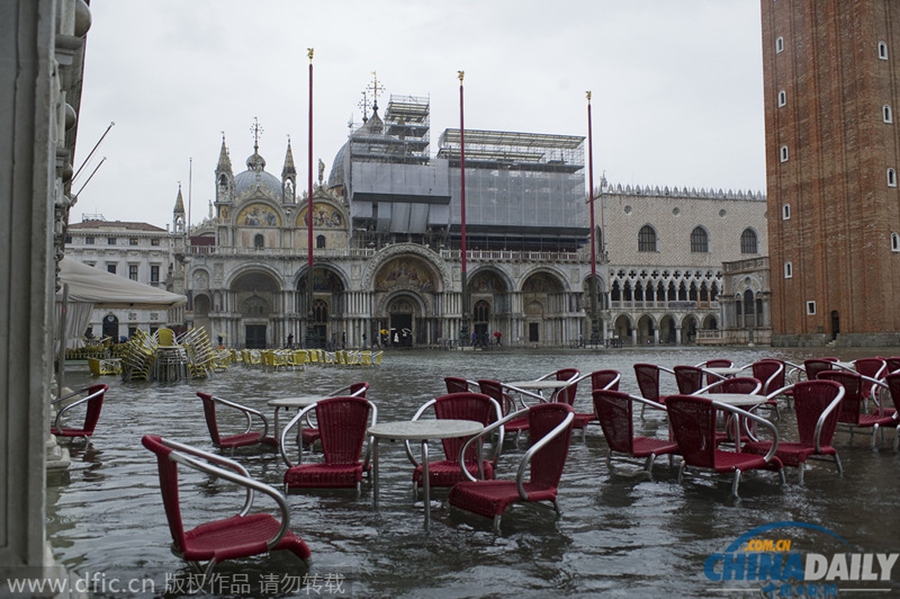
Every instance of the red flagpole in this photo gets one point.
(591, 187)
(309, 210)
(464, 325)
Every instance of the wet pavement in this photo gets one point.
(620, 534)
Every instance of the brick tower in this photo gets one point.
(832, 86)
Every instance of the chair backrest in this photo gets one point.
(494, 390)
(693, 423)
(851, 405)
(893, 382)
(464, 406)
(342, 423)
(94, 406)
(648, 380)
(874, 368)
(209, 411)
(605, 379)
(359, 389)
(688, 378)
(716, 363)
(165, 336)
(893, 363)
(168, 485)
(771, 372)
(614, 411)
(814, 366)
(456, 384)
(811, 398)
(567, 394)
(547, 464)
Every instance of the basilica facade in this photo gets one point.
(382, 239)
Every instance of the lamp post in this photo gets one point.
(593, 286)
(311, 336)
(464, 323)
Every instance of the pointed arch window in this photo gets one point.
(895, 242)
(647, 239)
(320, 242)
(891, 177)
(783, 154)
(699, 241)
(779, 45)
(782, 98)
(259, 241)
(749, 242)
(887, 114)
(786, 212)
(882, 50)
(788, 270)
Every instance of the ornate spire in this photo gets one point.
(289, 168)
(224, 158)
(179, 202)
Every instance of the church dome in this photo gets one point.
(337, 177)
(256, 177)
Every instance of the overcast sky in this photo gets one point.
(677, 86)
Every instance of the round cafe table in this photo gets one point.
(740, 400)
(422, 431)
(551, 385)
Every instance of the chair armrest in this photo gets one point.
(526, 459)
(58, 422)
(488, 429)
(293, 422)
(757, 419)
(648, 402)
(835, 403)
(525, 392)
(248, 414)
(245, 481)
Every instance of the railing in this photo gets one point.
(473, 255)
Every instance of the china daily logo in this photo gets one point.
(824, 566)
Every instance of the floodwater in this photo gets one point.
(620, 534)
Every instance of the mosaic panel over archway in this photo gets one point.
(258, 215)
(487, 282)
(405, 272)
(542, 282)
(325, 216)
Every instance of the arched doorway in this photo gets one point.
(401, 317)
(256, 297)
(667, 330)
(645, 330)
(111, 327)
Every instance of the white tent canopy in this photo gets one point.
(91, 288)
(106, 290)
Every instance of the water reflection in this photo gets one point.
(621, 534)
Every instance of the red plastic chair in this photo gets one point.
(310, 433)
(464, 406)
(93, 397)
(242, 535)
(550, 427)
(647, 376)
(508, 405)
(614, 410)
(565, 394)
(817, 406)
(814, 366)
(343, 422)
(892, 382)
(872, 370)
(851, 417)
(715, 363)
(248, 437)
(689, 379)
(456, 384)
(607, 379)
(771, 373)
(693, 422)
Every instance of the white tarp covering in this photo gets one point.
(106, 290)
